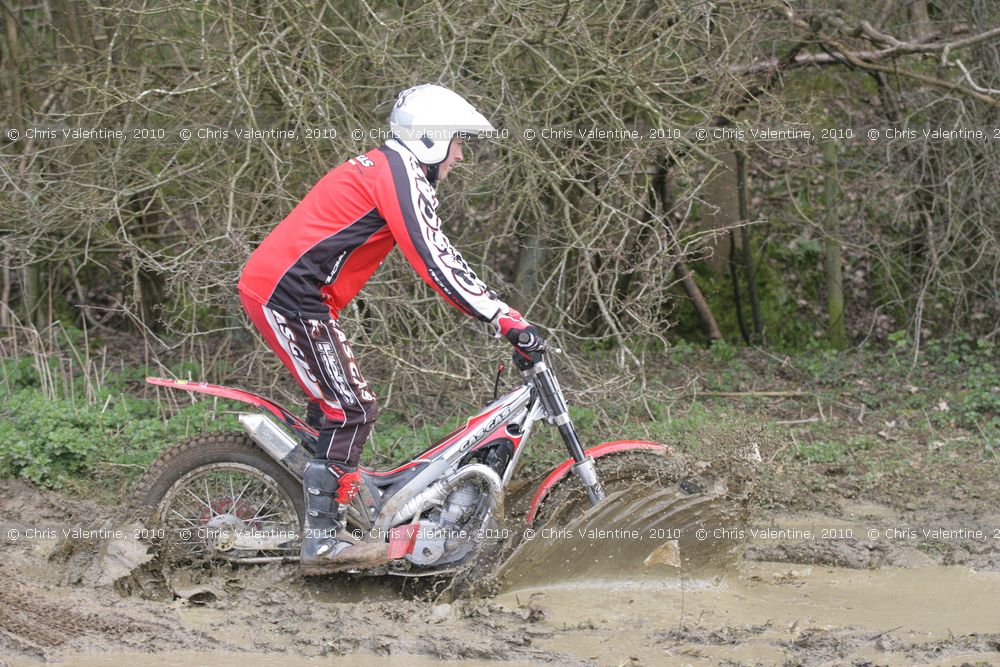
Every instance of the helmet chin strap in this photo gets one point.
(432, 173)
(432, 170)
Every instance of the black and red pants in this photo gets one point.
(317, 353)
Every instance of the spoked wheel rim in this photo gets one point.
(214, 509)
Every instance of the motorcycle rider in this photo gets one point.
(318, 258)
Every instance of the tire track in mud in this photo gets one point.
(27, 617)
(48, 621)
(43, 617)
(255, 610)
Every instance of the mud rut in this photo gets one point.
(574, 598)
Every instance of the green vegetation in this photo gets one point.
(51, 439)
(854, 422)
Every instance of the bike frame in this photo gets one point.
(394, 497)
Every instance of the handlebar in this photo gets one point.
(525, 338)
(536, 357)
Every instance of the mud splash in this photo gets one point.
(634, 534)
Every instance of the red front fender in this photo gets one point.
(597, 452)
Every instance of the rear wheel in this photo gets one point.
(221, 496)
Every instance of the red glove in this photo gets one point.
(522, 334)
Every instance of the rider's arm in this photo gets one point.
(408, 203)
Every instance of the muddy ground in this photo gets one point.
(800, 588)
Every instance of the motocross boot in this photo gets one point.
(326, 545)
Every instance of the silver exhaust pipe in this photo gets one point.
(276, 442)
(437, 492)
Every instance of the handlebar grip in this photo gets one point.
(524, 338)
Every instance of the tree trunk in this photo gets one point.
(721, 211)
(683, 272)
(920, 19)
(834, 279)
(741, 190)
(698, 301)
(9, 67)
(734, 275)
(528, 264)
(30, 296)
(5, 320)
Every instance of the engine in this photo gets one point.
(460, 503)
(449, 534)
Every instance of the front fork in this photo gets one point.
(552, 400)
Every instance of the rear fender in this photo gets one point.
(260, 402)
(564, 468)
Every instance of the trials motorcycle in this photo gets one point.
(238, 496)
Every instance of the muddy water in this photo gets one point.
(627, 594)
(623, 596)
(220, 659)
(766, 613)
(771, 611)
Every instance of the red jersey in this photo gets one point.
(318, 258)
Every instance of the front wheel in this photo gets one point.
(221, 496)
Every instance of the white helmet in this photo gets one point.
(426, 117)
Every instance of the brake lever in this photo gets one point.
(545, 347)
(550, 348)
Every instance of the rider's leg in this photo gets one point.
(331, 480)
(320, 358)
(314, 414)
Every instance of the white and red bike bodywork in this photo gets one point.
(433, 509)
